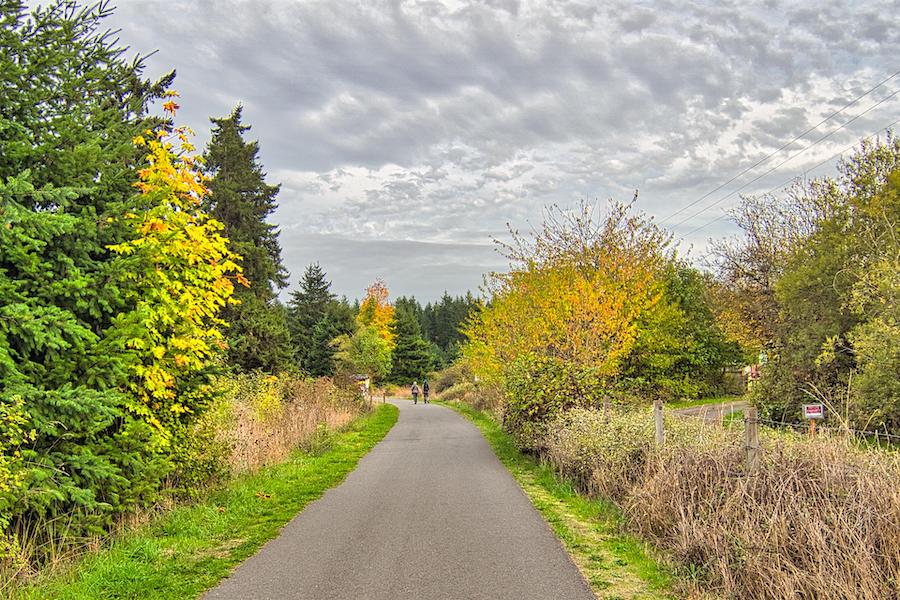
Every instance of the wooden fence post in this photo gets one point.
(658, 416)
(606, 409)
(751, 438)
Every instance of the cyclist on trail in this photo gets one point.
(425, 390)
(415, 392)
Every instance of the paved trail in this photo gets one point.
(429, 514)
(713, 413)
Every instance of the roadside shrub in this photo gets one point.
(458, 372)
(13, 435)
(254, 420)
(200, 452)
(539, 388)
(460, 392)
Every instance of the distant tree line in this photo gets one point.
(399, 342)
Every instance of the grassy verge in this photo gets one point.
(616, 565)
(190, 549)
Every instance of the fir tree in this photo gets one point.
(308, 306)
(319, 359)
(412, 355)
(258, 335)
(70, 106)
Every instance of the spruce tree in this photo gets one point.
(412, 355)
(308, 306)
(319, 358)
(258, 335)
(70, 106)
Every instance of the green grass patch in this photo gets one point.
(615, 564)
(735, 419)
(704, 401)
(190, 549)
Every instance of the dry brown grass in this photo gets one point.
(818, 519)
(271, 417)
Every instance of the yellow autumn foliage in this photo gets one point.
(183, 274)
(376, 312)
(577, 290)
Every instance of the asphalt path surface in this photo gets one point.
(429, 513)
(713, 413)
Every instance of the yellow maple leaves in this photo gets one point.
(186, 274)
(376, 311)
(575, 292)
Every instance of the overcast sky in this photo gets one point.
(407, 134)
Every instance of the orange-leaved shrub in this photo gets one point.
(818, 518)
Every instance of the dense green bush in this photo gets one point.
(111, 280)
(71, 105)
(538, 388)
(837, 296)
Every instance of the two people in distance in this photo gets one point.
(415, 391)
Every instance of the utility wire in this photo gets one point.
(835, 155)
(832, 157)
(789, 158)
(764, 159)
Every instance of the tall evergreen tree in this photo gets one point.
(442, 324)
(343, 315)
(309, 305)
(240, 198)
(412, 355)
(319, 358)
(70, 106)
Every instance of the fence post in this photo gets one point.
(751, 438)
(606, 409)
(658, 416)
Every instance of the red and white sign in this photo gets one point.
(813, 411)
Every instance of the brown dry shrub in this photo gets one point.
(272, 416)
(818, 519)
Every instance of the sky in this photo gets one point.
(407, 135)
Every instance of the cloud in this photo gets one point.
(410, 267)
(433, 121)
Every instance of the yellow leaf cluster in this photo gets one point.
(185, 271)
(376, 311)
(576, 292)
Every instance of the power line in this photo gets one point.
(789, 158)
(761, 161)
(833, 156)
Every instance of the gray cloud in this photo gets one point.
(396, 123)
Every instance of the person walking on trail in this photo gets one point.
(425, 390)
(415, 392)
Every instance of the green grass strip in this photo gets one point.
(616, 565)
(190, 549)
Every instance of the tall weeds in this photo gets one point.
(818, 519)
(271, 417)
